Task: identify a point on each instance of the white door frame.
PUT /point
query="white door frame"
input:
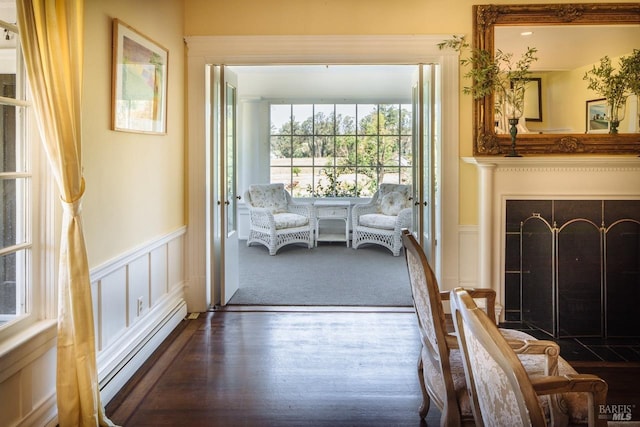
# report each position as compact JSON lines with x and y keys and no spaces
{"x":272,"y":50}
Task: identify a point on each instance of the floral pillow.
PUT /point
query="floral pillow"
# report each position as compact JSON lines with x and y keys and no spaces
{"x":270,"y":196}
{"x":392,"y":203}
{"x":386,"y":188}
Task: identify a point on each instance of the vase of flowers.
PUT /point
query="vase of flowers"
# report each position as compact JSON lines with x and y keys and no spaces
{"x":500,"y":75}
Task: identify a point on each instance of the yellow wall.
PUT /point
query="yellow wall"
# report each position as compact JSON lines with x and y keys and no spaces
{"x":350,"y":17}
{"x":134,"y":182}
{"x":346,"y":17}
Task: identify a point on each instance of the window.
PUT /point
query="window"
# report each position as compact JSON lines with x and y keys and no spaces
{"x":16,"y":185}
{"x":340,"y":150}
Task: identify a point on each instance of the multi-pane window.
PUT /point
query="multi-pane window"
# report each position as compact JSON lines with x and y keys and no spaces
{"x":340,"y":150}
{"x":15,"y":184}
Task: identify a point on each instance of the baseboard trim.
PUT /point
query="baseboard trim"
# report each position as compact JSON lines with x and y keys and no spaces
{"x":119,"y":366}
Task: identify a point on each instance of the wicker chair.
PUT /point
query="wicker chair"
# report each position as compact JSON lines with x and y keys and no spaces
{"x":275,"y":219}
{"x":380,"y":222}
{"x":440,"y":369}
{"x":500,"y":390}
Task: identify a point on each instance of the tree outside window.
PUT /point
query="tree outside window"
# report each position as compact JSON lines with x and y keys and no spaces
{"x":340,"y":150}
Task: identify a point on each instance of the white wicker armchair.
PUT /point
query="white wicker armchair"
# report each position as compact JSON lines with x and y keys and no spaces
{"x":381,"y":221}
{"x":275,"y":219}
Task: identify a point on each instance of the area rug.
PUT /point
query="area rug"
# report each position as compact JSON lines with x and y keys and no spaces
{"x":327,"y":275}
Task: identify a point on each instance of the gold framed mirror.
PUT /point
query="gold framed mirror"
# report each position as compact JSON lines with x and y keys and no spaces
{"x":544,"y":138}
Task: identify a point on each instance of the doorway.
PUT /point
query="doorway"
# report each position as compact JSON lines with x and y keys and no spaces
{"x":304,"y":50}
{"x":337,"y":132}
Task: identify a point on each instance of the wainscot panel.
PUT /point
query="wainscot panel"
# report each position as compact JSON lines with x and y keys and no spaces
{"x":140,"y":300}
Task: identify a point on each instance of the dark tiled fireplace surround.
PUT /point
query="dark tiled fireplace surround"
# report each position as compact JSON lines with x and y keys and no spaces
{"x":559,"y":241}
{"x":572,"y":273}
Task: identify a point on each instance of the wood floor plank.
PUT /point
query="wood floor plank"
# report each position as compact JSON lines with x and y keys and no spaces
{"x":288,"y":369}
{"x":297,"y":368}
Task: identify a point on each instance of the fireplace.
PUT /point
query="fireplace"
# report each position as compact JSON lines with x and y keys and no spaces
{"x":572,"y":267}
{"x":576,"y":276}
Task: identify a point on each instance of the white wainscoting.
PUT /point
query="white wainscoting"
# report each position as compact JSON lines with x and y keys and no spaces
{"x":138,"y":300}
{"x":27,"y":377}
{"x":125,"y":336}
{"x":468,"y":247}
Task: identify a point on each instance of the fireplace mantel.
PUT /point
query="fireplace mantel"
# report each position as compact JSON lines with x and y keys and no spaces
{"x":573,"y":161}
{"x":540,"y":177}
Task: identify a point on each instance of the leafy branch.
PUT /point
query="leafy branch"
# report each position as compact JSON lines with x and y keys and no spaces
{"x":630,"y":66}
{"x":491,"y":74}
{"x":606,"y":81}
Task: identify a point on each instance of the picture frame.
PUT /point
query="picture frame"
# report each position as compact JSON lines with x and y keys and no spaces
{"x":139,"y":82}
{"x":596,"y":116}
{"x":532,"y":98}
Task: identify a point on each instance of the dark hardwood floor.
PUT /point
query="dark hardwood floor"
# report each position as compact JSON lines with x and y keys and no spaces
{"x":297,"y":367}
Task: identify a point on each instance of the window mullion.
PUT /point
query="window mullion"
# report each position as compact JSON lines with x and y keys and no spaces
{"x":15,"y":248}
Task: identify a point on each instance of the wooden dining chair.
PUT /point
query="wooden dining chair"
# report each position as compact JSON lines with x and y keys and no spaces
{"x":440,"y":369}
{"x":501,"y":392}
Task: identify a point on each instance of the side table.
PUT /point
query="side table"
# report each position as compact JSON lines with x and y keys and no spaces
{"x":332,"y":211}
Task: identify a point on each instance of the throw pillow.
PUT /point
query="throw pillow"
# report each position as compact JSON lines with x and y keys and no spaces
{"x":270,"y":196}
{"x":392,"y":203}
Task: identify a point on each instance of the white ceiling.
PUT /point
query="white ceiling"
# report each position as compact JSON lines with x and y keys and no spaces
{"x":335,"y":83}
{"x":567,"y":47}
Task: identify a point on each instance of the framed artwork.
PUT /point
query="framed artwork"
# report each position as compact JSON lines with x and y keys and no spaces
{"x":596,"y":116}
{"x":139,"y":82}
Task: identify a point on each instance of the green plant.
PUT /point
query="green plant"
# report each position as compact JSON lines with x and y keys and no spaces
{"x":498,"y":74}
{"x":630,"y":66}
{"x":335,"y":188}
{"x":611,"y":84}
{"x":607,"y":81}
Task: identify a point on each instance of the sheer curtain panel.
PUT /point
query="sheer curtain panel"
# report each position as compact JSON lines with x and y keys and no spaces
{"x":51,"y":34}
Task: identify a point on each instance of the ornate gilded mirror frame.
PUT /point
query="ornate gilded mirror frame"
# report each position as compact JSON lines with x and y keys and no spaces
{"x":486,"y":17}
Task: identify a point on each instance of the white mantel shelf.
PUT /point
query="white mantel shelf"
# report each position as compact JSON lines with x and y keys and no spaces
{"x":572,"y":161}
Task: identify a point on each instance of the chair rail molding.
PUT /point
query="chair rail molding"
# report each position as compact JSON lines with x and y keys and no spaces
{"x":540,"y":177}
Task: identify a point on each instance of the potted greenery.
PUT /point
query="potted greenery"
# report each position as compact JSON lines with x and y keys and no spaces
{"x":499,"y":75}
{"x":613,"y":85}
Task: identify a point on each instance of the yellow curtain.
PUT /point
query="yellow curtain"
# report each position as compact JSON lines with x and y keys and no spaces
{"x":51,"y":34}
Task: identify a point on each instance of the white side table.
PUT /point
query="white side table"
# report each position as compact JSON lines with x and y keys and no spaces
{"x":332,"y":211}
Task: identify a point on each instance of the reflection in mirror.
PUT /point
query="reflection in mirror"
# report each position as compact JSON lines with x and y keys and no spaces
{"x":565,"y":54}
{"x":533,"y":100}
{"x":570,"y":40}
